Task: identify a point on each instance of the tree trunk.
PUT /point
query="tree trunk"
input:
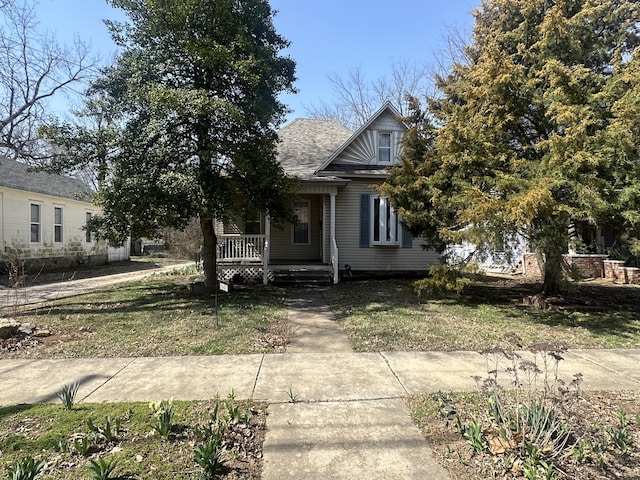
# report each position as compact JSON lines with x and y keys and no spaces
{"x":208,"y":249}
{"x":552,"y":274}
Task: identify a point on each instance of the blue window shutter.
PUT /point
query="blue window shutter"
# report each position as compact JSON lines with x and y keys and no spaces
{"x":364,"y":220}
{"x":407,"y":238}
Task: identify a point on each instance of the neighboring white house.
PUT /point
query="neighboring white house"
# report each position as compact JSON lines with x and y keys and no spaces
{"x":507,"y":257}
{"x":344,"y":226}
{"x":42,"y":218}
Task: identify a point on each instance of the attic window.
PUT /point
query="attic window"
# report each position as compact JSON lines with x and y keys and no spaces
{"x":384,"y":147}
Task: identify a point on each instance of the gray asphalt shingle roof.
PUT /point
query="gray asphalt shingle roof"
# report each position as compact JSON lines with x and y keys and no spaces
{"x":306,"y":143}
{"x":15,"y":175}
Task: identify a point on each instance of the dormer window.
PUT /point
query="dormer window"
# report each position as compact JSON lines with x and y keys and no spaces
{"x":384,"y":147}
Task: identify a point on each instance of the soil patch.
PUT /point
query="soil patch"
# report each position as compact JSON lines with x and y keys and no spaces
{"x":603,"y":439}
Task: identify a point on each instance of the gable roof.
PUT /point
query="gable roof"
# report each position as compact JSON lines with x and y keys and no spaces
{"x":17,"y":176}
{"x":387,"y":106}
{"x":306,"y":143}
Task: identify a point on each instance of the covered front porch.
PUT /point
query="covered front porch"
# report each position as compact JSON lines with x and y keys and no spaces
{"x":306,"y":249}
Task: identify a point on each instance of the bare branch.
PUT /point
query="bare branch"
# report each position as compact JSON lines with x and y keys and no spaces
{"x":357,"y":98}
{"x":34,"y":67}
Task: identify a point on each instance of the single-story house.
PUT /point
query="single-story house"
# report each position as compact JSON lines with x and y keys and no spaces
{"x":42,"y":217}
{"x":344,"y":226}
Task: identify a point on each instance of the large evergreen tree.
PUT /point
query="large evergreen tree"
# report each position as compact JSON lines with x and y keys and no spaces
{"x":534,"y":131}
{"x":196,"y":92}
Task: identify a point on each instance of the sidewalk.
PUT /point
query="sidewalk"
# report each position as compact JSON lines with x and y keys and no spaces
{"x":348,"y":421}
{"x":312,"y":377}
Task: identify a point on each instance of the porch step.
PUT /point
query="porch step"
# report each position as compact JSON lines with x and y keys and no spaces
{"x":300,"y":275}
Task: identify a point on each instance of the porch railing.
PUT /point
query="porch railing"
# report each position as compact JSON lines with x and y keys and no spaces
{"x":237,"y":248}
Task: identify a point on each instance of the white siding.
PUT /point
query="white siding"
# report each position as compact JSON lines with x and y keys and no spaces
{"x":14,"y":233}
{"x":373,"y":258}
{"x":120,"y":254}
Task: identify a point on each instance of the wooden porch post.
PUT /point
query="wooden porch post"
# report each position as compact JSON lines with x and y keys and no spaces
{"x":267,"y":248}
{"x":336,"y":263}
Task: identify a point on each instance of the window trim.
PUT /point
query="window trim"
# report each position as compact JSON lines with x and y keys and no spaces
{"x":293,"y":226}
{"x":378,"y":229}
{"x":33,"y":203}
{"x":389,"y":148}
{"x":60,"y":225}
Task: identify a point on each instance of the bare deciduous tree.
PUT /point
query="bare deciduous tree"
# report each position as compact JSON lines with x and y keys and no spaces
{"x":357,"y":98}
{"x":33,"y":68}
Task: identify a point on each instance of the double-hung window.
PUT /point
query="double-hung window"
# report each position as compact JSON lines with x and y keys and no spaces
{"x":87,"y":232}
{"x":384,"y":222}
{"x":35,"y":223}
{"x":252,"y":224}
{"x":384,"y":147}
{"x":57,"y":225}
{"x":301,"y":227}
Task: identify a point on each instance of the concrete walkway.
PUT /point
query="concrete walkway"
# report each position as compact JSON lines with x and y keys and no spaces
{"x":333,"y":413}
{"x":314,"y":327}
{"x":11,"y":299}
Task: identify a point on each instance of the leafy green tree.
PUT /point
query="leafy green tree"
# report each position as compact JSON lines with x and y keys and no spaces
{"x":86,"y":147}
{"x":195,"y":89}
{"x":535,"y":130}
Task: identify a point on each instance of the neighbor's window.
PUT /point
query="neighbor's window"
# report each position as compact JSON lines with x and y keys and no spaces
{"x":384,"y":147}
{"x":35,"y":223}
{"x":384,"y":222}
{"x":87,"y":233}
{"x":301,"y":228}
{"x":57,"y":224}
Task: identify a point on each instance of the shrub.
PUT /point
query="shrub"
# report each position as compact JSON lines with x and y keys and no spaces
{"x":444,"y":279}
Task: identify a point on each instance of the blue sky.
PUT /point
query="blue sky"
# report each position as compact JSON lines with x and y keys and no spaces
{"x":328,"y":37}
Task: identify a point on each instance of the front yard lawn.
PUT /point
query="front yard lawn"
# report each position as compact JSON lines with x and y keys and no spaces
{"x":385,"y":315}
{"x":154,"y":317}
